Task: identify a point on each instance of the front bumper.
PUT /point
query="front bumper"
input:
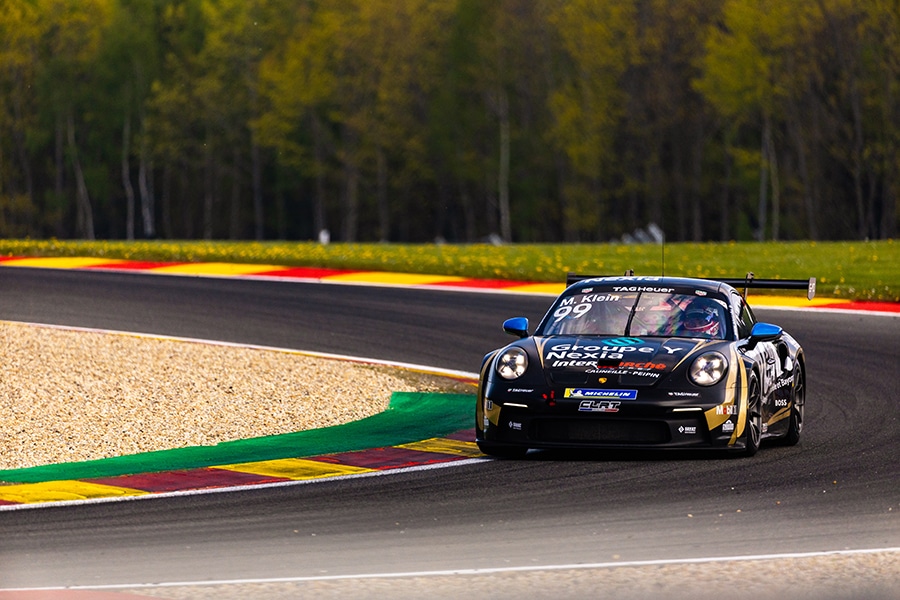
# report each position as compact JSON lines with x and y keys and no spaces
{"x":579,"y":423}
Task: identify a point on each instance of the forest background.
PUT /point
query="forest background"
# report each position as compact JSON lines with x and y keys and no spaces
{"x":527,"y":121}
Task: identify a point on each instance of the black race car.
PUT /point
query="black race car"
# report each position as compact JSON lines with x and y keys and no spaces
{"x":644,"y":363}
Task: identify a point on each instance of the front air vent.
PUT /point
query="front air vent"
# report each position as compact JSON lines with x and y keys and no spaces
{"x":599,"y":431}
{"x":568,"y":378}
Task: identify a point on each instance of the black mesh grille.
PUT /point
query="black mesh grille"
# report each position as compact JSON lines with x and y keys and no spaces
{"x":599,"y":431}
{"x":568,"y":377}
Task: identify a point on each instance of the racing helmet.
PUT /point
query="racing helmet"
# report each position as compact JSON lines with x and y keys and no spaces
{"x":702,"y":318}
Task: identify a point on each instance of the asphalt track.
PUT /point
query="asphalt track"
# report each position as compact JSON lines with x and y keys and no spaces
{"x":837,"y":491}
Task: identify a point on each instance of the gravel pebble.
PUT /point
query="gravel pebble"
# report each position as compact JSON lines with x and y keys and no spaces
{"x":73,"y":395}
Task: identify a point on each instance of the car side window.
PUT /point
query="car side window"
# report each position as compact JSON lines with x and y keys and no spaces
{"x":745,"y":318}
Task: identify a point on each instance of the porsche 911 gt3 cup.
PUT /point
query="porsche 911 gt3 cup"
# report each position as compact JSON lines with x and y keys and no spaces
{"x":645,"y":363}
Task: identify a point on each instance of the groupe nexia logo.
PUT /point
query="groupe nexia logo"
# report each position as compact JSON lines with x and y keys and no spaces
{"x":623,"y":341}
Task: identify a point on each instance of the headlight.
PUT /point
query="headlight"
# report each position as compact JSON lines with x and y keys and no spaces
{"x":512,"y":363}
{"x":708,"y":369}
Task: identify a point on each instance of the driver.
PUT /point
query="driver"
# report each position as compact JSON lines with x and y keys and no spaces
{"x":703,"y":319}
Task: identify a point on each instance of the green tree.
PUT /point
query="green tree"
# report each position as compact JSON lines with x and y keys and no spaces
{"x":587,"y":104}
{"x":71,"y":48}
{"x":21,"y":29}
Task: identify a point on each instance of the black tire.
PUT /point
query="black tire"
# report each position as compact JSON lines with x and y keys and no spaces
{"x":502,"y":450}
{"x":798,"y":401}
{"x":753,"y":428}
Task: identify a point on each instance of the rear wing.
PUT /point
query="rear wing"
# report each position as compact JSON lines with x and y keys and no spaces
{"x":774,"y":284}
{"x":746,"y":283}
{"x":576,"y":277}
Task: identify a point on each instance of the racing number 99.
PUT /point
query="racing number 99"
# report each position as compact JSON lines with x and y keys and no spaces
{"x":577,"y":311}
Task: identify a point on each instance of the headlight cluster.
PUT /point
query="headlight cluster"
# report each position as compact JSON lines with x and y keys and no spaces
{"x":708,"y":369}
{"x":512,"y":363}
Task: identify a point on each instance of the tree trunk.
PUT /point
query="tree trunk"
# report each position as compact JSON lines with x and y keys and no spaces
{"x":320,"y":223}
{"x":234,"y":215}
{"x":208,"y":195}
{"x":22,"y":147}
{"x":384,"y":209}
{"x":698,"y":222}
{"x":772,"y":160}
{"x":145,"y":186}
{"x":256,"y":176}
{"x":59,"y":181}
{"x":762,"y":208}
{"x":678,"y":176}
{"x":503,"y":171}
{"x":84,"y":218}
{"x":796,"y":132}
{"x":724,"y":194}
{"x":126,"y":179}
{"x":350,"y":193}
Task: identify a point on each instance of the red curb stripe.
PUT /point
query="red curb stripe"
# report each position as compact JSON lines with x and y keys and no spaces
{"x":194,"y":479}
{"x":483,"y":283}
{"x":865,"y":305}
{"x":382,"y":459}
{"x":466,"y":435}
{"x":133,"y":265}
{"x":303,"y":273}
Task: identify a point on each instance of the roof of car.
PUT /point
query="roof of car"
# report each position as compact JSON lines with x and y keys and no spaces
{"x":650,"y":283}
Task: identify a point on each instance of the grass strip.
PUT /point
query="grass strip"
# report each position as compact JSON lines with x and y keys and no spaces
{"x":410,"y":417}
{"x":848,"y":270}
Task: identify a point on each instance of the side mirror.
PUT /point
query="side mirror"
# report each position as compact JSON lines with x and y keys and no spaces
{"x":763,"y":332}
{"x":517,"y":326}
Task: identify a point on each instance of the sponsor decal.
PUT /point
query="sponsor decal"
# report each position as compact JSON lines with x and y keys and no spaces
{"x":489,"y":405}
{"x":520,"y":390}
{"x":605,"y":406}
{"x":573,"y":363}
{"x":587,"y":355}
{"x":728,"y":426}
{"x":592,"y":393}
{"x":726,"y":409}
{"x":784,"y":381}
{"x":568,"y":307}
{"x":685,"y":394}
{"x":781,"y":402}
{"x":641,"y":288}
{"x":642,"y":366}
{"x":616,"y":371}
{"x":626,"y":278}
{"x":672,"y":350}
{"x":688,"y":429}
{"x":515,"y":426}
{"x":623,"y":341}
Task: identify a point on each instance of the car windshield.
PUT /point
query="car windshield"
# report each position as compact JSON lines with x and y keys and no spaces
{"x":592,"y":312}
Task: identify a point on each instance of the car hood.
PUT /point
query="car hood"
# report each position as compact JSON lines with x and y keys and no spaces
{"x":624,"y":360}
